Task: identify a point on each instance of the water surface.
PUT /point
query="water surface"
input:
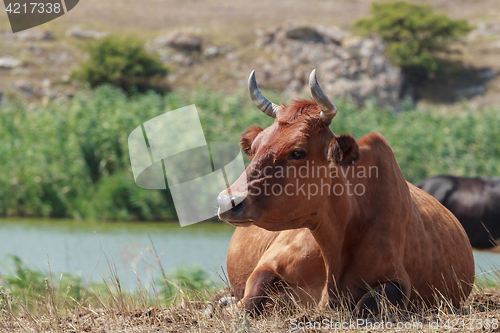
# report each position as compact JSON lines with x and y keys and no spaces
{"x":92,"y":249}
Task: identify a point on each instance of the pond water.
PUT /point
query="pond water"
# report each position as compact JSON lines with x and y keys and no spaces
{"x":93,"y":250}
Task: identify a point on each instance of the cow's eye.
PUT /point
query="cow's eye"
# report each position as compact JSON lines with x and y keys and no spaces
{"x":297,"y":155}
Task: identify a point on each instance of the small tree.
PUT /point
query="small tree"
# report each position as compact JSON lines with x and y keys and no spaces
{"x":414,"y":35}
{"x":120,"y":61}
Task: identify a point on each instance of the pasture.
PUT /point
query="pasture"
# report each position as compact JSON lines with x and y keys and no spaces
{"x":84,"y":249}
{"x":36,"y":300}
{"x":426,"y":142}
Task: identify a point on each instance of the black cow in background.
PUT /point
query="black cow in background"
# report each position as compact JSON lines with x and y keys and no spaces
{"x":474,"y":201}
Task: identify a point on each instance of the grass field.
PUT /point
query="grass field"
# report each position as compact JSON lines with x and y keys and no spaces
{"x":219,"y":23}
{"x":71,"y":160}
{"x":32,"y":301}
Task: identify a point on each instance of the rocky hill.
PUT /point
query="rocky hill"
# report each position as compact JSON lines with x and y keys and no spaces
{"x":206,"y":50}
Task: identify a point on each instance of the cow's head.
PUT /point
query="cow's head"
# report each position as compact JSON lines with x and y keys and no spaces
{"x":286,"y":183}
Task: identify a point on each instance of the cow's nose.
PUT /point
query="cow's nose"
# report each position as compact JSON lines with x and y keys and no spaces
{"x":233,"y":203}
{"x":238,"y":205}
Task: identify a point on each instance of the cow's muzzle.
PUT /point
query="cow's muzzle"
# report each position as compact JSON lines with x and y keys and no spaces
{"x":230,"y":206}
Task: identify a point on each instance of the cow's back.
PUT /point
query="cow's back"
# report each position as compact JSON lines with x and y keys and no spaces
{"x":437,"y":247}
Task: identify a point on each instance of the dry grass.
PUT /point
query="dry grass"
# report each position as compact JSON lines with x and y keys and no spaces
{"x":110,"y":309}
{"x":118,"y":312}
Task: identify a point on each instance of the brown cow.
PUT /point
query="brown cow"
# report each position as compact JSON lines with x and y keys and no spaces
{"x":374,"y":233}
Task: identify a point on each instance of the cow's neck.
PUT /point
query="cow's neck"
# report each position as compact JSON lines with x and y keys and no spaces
{"x":344,"y":215}
{"x":330,"y":233}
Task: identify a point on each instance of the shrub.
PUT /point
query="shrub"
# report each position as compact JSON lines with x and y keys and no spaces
{"x":119,"y":198}
{"x":415,"y":36}
{"x":122,"y":62}
{"x":72,"y":159}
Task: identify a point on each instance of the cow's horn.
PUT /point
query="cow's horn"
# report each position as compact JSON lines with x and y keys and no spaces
{"x":328,"y":109}
{"x":259,"y":100}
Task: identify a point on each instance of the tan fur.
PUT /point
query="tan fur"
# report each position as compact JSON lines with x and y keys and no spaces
{"x":335,"y":248}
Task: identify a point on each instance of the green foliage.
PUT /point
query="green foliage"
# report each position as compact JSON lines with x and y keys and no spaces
{"x":191,"y":282}
{"x":118,"y":198}
{"x":120,"y":61}
{"x":22,"y":287}
{"x":71,"y":160}
{"x":429,"y":142}
{"x":415,"y":36}
{"x":24,"y":284}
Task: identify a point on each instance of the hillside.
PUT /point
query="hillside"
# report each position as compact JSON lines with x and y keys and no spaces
{"x":234,"y":25}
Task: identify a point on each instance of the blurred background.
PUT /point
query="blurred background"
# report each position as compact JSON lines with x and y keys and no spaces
{"x":422,"y":73}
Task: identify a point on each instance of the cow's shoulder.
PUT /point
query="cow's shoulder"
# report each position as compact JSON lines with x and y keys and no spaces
{"x":374,"y":141}
{"x":375,"y":150}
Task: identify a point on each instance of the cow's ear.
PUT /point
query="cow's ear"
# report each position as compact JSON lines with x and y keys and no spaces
{"x":344,"y":150}
{"x":247,"y":137}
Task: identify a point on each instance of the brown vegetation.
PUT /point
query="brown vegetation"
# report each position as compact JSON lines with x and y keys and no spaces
{"x":234,"y":23}
{"x":481,"y":312}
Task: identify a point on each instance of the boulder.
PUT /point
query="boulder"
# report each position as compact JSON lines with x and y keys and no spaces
{"x":34,"y":35}
{"x":25,"y":87}
{"x":181,"y":41}
{"x":9,"y":62}
{"x":346,"y":65}
{"x":84,"y":34}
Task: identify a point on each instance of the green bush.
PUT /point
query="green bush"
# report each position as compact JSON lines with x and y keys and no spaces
{"x":122,"y":62}
{"x":191,"y":282}
{"x":119,"y":198}
{"x":22,"y":286}
{"x":414,"y":35}
{"x":72,"y":159}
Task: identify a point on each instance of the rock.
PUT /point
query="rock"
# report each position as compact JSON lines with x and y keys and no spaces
{"x":331,"y":35}
{"x":495,"y":45}
{"x":35,"y":49}
{"x":471,"y":91}
{"x":346,"y":65}
{"x":181,"y":41}
{"x":25,"y":87}
{"x":211,"y":51}
{"x":484,"y":30}
{"x":9,"y":62}
{"x":46,"y":83}
{"x":303,"y":34}
{"x":205,"y":78}
{"x":488,"y":74}
{"x":214,"y":51}
{"x":318,"y":34}
{"x":232,"y":56}
{"x":85,"y":34}
{"x":34,"y":35}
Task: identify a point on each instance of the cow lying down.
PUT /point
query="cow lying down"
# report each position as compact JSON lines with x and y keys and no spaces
{"x":349,"y":229}
{"x":474,"y":201}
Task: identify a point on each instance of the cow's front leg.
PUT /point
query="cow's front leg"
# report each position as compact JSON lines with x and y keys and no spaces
{"x":260,"y":283}
{"x":389,"y":293}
